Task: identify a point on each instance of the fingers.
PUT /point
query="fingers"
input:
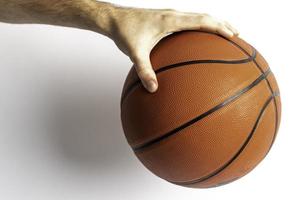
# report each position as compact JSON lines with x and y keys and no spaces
{"x":229,"y":26}
{"x":146,"y":73}
{"x":191,"y":21}
{"x":220,"y":28}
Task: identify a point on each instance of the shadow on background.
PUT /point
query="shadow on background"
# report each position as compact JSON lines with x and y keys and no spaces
{"x":86,"y":124}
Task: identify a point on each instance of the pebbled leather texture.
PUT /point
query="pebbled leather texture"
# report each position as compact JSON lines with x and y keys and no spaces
{"x":226,"y":143}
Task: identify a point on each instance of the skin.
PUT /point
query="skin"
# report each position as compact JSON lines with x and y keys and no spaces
{"x":134,"y":30}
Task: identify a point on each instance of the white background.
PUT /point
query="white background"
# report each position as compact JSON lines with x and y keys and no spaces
{"x":60,"y":130}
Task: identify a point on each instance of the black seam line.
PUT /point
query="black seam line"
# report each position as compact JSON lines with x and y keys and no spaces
{"x":238,"y":152}
{"x":275,"y":132}
{"x":168,"y":67}
{"x":201,"y":116}
{"x":275,"y":103}
{"x":273,"y":138}
{"x":276,"y":125}
{"x":268,"y":83}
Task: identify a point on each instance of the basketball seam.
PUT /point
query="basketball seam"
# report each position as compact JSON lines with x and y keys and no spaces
{"x":250,"y":58}
{"x":274,"y":94}
{"x":203,"y":115}
{"x":272,"y":142}
{"x":269,"y":86}
{"x":239,"y":152}
{"x":259,"y":68}
{"x":185,"y":64}
{"x":273,"y":97}
{"x":233,"y":179}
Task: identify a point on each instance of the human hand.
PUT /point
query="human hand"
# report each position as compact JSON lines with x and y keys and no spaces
{"x":136,"y":31}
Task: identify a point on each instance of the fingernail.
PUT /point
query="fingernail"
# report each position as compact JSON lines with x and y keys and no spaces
{"x":151,"y":86}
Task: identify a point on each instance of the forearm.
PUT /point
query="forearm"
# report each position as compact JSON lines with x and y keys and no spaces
{"x":83,"y":14}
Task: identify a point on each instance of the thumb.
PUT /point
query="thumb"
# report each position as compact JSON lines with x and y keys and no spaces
{"x":146,"y":73}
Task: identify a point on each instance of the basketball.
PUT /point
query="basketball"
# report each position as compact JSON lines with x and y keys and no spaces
{"x":214,"y":117}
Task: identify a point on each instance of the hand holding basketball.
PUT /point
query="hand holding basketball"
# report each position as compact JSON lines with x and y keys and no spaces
{"x":215,"y":116}
{"x":136,"y":31}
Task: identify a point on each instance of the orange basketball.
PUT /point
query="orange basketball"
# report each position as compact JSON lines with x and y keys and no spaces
{"x":214,"y":117}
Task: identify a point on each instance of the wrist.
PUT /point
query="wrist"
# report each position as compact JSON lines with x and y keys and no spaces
{"x":92,"y":15}
{"x":103,"y":16}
